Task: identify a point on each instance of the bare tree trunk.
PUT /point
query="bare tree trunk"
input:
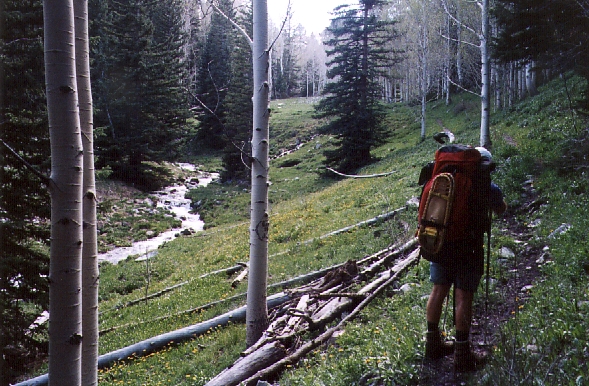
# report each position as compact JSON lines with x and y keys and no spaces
{"x":512,"y":84}
{"x":424,"y":61}
{"x":485,"y":139}
{"x":65,"y":309}
{"x":531,"y":79}
{"x":522,"y":81}
{"x":459,"y":71}
{"x":89,"y":249}
{"x":257,"y":311}
{"x":448,"y":64}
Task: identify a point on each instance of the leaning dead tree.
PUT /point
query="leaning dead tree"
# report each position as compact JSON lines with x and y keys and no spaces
{"x":349,"y":288}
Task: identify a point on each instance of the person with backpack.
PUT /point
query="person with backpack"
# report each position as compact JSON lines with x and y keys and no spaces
{"x":454,"y":214}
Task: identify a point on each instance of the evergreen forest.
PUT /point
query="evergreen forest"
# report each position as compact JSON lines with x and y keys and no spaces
{"x":172,"y":85}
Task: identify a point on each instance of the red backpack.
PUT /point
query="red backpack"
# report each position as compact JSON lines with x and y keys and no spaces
{"x":454,"y":203}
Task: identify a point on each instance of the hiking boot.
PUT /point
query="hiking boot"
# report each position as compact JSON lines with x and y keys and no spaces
{"x":436,"y":346}
{"x":465,"y":360}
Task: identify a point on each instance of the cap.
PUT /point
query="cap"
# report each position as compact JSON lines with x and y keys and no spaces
{"x":485,"y":154}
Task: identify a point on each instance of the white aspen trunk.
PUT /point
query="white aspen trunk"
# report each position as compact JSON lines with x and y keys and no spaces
{"x":89,"y":249}
{"x":498,"y":86}
{"x":65,"y":308}
{"x":313,"y":73}
{"x":448,"y":64}
{"x":459,"y":72}
{"x":424,"y":60}
{"x":485,"y":139}
{"x":257,"y":311}
{"x":522,"y":82}
{"x":531,"y":79}
{"x":307,"y":78}
{"x":512,"y":84}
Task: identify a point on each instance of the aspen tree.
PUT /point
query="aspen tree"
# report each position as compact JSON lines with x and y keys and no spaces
{"x":89,"y":249}
{"x":65,"y":308}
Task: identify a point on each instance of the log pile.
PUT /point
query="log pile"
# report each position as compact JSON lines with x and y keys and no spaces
{"x":343,"y":291}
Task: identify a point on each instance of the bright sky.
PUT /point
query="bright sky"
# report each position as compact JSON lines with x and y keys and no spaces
{"x":314,"y":15}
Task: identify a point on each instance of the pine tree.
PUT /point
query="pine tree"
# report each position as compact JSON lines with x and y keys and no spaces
{"x":24,"y":200}
{"x":358,"y":57}
{"x":193,"y":45}
{"x":141,"y":103}
{"x":239,"y":106}
{"x":214,"y":78}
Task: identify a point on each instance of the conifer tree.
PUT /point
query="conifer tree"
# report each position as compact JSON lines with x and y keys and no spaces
{"x":214,"y":77}
{"x":141,"y":104}
{"x":238,"y":122}
{"x":193,"y":45}
{"x":24,"y":200}
{"x":358,"y":56}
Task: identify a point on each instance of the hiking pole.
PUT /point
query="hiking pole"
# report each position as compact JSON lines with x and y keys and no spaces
{"x":490,"y":217}
{"x":446,"y":311}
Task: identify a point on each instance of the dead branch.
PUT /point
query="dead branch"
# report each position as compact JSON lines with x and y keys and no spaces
{"x":237,"y":26}
{"x":150,"y":296}
{"x":240,"y":278}
{"x":228,"y":271}
{"x":361,"y":176}
{"x":46,"y":180}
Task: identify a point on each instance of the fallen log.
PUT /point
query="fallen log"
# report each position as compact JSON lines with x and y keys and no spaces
{"x":228,"y":271}
{"x":259,"y":360}
{"x":291,"y":359}
{"x":159,"y":342}
{"x":302,"y":317}
{"x":384,"y":259}
{"x":242,"y":275}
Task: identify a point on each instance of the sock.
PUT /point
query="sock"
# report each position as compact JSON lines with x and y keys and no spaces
{"x":432,"y":327}
{"x":461,"y":336}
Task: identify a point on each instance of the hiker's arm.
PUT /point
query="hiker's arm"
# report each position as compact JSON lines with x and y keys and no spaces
{"x":498,"y":203}
{"x":501,"y":208}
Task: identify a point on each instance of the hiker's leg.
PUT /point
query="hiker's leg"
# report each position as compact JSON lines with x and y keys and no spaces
{"x":435,"y":303}
{"x":436,"y":346}
{"x":464,"y":358}
{"x":442,"y":279}
{"x":463,"y":309}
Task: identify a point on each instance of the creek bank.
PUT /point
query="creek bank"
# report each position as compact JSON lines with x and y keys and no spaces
{"x":173,"y":199}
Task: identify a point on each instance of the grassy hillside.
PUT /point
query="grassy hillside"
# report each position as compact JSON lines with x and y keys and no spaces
{"x":540,"y":146}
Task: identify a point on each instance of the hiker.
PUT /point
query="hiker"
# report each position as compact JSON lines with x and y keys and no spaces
{"x":464,"y":272}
